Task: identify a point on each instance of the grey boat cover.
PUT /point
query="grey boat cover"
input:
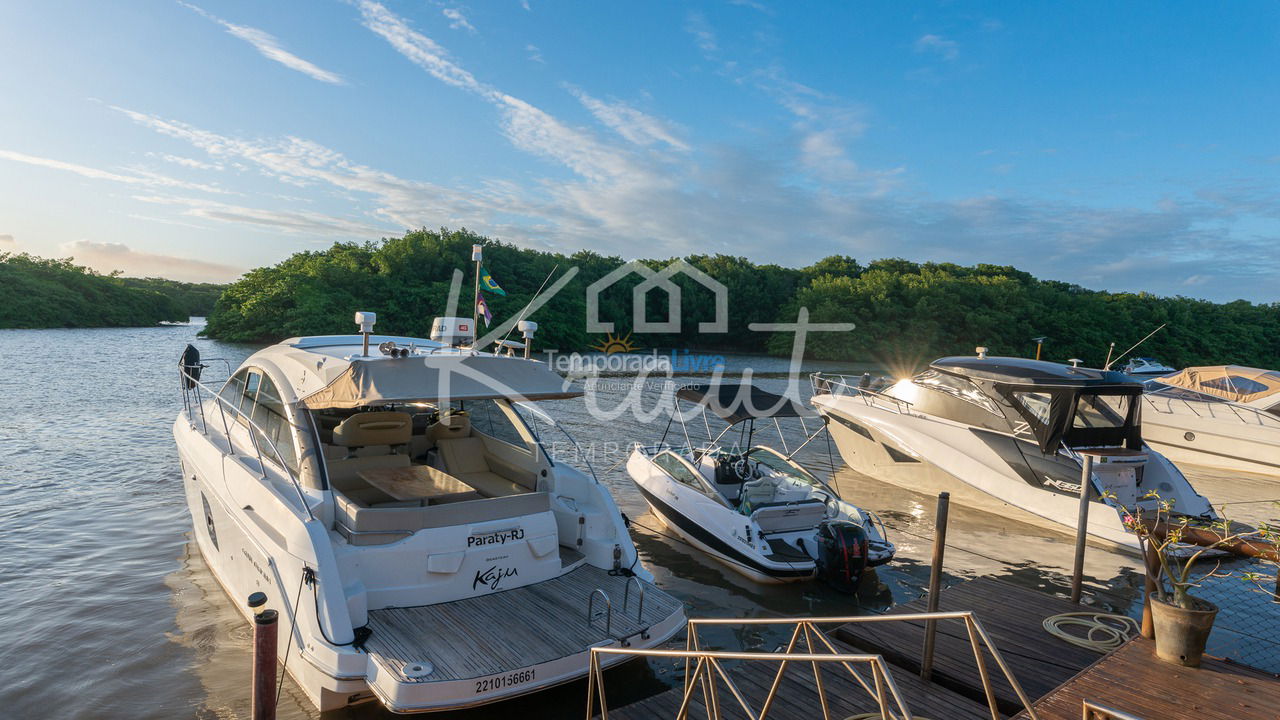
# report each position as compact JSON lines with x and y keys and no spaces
{"x":735,"y":403}
{"x":377,"y":381}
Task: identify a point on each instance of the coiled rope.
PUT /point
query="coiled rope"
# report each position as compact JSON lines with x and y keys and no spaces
{"x":1104,"y":632}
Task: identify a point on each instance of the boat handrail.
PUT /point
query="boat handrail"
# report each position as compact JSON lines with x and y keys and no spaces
{"x":191,"y":388}
{"x":839,"y":384}
{"x":1251,"y":416}
{"x":707,"y":672}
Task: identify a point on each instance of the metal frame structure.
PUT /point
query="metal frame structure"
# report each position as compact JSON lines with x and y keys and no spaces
{"x":1094,"y":711}
{"x":837,"y":384}
{"x":707,"y":668}
{"x":191,"y":397}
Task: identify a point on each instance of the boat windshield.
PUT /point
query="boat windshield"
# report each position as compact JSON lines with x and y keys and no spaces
{"x":770,"y":458}
{"x":555,"y":440}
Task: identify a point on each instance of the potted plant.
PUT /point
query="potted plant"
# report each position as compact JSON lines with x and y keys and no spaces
{"x":1182,"y":621}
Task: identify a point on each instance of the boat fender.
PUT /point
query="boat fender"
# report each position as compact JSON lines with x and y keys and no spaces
{"x":842,"y":554}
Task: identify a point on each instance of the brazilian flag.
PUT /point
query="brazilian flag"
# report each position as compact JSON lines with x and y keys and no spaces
{"x":487,"y":283}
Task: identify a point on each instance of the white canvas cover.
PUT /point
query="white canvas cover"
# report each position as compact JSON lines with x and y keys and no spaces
{"x":1232,"y":382}
{"x":381,"y":381}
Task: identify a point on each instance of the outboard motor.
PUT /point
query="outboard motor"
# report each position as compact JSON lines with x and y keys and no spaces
{"x":842,"y":554}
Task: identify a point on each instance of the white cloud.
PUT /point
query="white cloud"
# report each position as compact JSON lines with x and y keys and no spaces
{"x":266,"y":44}
{"x":696,"y":25}
{"x":185,"y":161}
{"x":534,"y":53}
{"x":290,"y":221}
{"x":458,"y":21}
{"x":637,"y":194}
{"x":946,"y":49}
{"x":7,"y":242}
{"x":630,"y":123}
{"x":138,"y":176}
{"x":108,"y":257}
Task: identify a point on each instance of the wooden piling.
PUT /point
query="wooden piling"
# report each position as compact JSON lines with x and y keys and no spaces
{"x":265,"y":634}
{"x":935,"y":582}
{"x":1082,"y":526}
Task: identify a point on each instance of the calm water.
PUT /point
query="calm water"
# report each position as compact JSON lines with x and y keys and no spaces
{"x":109,"y":611}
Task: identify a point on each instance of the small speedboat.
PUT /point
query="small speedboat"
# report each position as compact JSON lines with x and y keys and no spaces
{"x":1225,"y":417}
{"x":1009,"y":435}
{"x":750,"y":506}
{"x":1147,"y":367}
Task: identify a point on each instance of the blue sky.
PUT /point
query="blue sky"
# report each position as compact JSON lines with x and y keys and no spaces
{"x":1122,"y":146}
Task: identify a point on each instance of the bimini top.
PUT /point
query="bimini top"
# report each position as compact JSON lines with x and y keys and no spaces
{"x":1024,"y":371}
{"x":1231,"y":382}
{"x":735,"y":403}
{"x":331,"y":372}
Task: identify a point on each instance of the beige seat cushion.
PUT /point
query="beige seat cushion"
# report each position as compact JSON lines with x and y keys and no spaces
{"x":374,"y":428}
{"x":491,"y":484}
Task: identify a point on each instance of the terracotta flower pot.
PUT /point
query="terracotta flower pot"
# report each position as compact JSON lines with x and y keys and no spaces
{"x":1181,"y":634}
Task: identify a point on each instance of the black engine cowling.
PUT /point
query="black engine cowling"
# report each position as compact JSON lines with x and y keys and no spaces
{"x":842,"y":554}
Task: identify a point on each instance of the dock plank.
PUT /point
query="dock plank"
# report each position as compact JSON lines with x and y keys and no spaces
{"x":1133,"y":680}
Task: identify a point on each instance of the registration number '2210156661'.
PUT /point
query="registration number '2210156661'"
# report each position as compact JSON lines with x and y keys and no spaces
{"x":497,"y":682}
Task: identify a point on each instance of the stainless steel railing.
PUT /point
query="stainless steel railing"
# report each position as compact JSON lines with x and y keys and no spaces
{"x":707,"y":672}
{"x":837,"y":384}
{"x":1094,"y":711}
{"x":192,"y":397}
{"x":1246,"y":415}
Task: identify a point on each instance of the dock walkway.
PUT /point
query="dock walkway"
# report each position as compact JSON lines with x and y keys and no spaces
{"x":1011,"y":615}
{"x":1133,"y":680}
{"x":1056,"y":675}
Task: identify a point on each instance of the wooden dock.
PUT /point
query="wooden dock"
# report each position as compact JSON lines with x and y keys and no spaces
{"x":1132,"y":680}
{"x":1056,"y":675}
{"x":1012,"y":615}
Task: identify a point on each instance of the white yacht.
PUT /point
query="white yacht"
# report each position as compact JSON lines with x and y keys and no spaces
{"x":1147,"y":367}
{"x":751,"y":507}
{"x":1225,"y":417}
{"x":403,"y":513}
{"x":1005,"y":434}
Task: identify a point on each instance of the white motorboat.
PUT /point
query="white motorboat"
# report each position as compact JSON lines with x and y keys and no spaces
{"x":1225,"y":417}
{"x":1006,"y":435}
{"x":403,"y":513}
{"x":750,"y":506}
{"x":1147,"y":367}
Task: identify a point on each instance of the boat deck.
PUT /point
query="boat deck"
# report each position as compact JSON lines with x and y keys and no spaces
{"x":504,"y":631}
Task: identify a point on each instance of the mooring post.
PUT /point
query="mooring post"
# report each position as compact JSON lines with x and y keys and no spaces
{"x":265,"y":630}
{"x":935,"y":583}
{"x":1082,"y":526}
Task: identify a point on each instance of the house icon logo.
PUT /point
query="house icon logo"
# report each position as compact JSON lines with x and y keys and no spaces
{"x":659,"y":280}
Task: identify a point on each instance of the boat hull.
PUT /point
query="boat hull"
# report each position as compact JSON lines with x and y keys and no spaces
{"x":909,"y":450}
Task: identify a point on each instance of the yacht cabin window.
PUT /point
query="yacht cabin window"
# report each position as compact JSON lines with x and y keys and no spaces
{"x":257,"y":400}
{"x":1036,"y":403}
{"x":495,"y":419}
{"x":958,"y":388}
{"x":1093,"y":411}
{"x":1236,"y":384}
